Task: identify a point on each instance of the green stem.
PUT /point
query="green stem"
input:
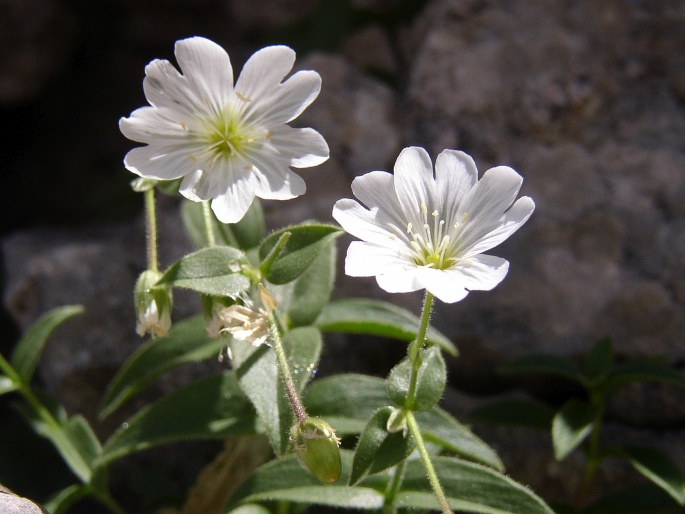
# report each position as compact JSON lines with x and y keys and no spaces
{"x":208,"y":219}
{"x":415,"y":347}
{"x":391,"y":492}
{"x":290,"y":389}
{"x":593,"y":457}
{"x":151,"y":218}
{"x":427,"y":462}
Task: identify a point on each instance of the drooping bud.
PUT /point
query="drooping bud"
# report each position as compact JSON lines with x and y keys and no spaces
{"x":153,"y":305}
{"x":316,"y":447}
{"x":397,"y":422}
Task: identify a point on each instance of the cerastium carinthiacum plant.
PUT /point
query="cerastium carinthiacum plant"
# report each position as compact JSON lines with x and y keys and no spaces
{"x":346,"y":441}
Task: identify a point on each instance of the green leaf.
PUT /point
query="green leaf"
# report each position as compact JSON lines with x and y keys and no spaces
{"x":571,"y":425}
{"x":310,"y":292}
{"x":470,"y":488}
{"x":599,"y":361}
{"x":546,"y":364}
{"x":439,"y":427}
{"x":286,"y":480}
{"x":213,"y":407}
{"x":250,"y":509}
{"x":303,"y":246}
{"x":635,"y":499}
{"x":245,"y":234}
{"x":430,"y":382}
{"x":61,"y":502}
{"x":375,"y":317}
{"x":258,"y":377}
{"x":187,"y":342}
{"x":515,"y":413}
{"x":645,"y":371}
{"x":83,"y":438}
{"x":28,"y":349}
{"x":346,"y":401}
{"x":60,"y":434}
{"x":377,"y":449}
{"x":658,"y":468}
{"x":214,"y":271}
{"x":7,"y":385}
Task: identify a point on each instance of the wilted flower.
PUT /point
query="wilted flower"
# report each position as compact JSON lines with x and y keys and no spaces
{"x":229,"y":142}
{"x":245,"y":324}
{"x":421,"y":231}
{"x":153,"y":305}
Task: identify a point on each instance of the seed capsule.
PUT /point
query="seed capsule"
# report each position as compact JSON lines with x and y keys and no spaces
{"x":316,"y":447}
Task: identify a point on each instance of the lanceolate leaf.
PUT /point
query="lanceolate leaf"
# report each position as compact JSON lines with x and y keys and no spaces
{"x":438,"y":427}
{"x":346,"y":401}
{"x":286,"y":480}
{"x":546,"y":364}
{"x":211,"y":408}
{"x":571,"y":425}
{"x":469,"y":488}
{"x":304,"y":244}
{"x":187,"y":342}
{"x":28,"y":350}
{"x":259,"y":379}
{"x":514,"y":412}
{"x":430,"y":382}
{"x":599,"y":361}
{"x":659,"y":468}
{"x":645,"y":371}
{"x":634,"y":499}
{"x":214,"y":271}
{"x":378,"y":449}
{"x":375,"y":317}
{"x":63,"y":500}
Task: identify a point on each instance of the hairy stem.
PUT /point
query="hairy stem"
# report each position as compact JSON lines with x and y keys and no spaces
{"x":391,"y":492}
{"x":415,"y":348}
{"x":427,"y":462}
{"x":209,"y":225}
{"x":290,"y":389}
{"x":151,"y":231}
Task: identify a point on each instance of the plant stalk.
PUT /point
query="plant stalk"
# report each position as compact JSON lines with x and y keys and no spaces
{"x":416,"y":346}
{"x":151,"y":225}
{"x":208,"y":219}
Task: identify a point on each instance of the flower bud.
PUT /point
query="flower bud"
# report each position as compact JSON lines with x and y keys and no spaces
{"x":397,"y":422}
{"x":153,"y":305}
{"x":316,"y":447}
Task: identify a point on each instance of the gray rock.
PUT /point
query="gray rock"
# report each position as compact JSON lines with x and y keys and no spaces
{"x":10,"y":503}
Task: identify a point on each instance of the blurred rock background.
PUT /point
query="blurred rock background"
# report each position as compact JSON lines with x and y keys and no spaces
{"x":585,"y":99}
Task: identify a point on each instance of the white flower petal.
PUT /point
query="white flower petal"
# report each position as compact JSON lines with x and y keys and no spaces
{"x":273,"y":178}
{"x":288,"y":101}
{"x":165,"y":87}
{"x":207,"y":69}
{"x":231,"y":206}
{"x":414,"y":183}
{"x":367,"y":260}
{"x":162,"y":163}
{"x":305,"y":147}
{"x":399,"y":281}
{"x":481,"y":272}
{"x":264,"y":71}
{"x":508,"y":224}
{"x":455,"y":175}
{"x":364,"y":224}
{"x":187,"y":187}
{"x":447,"y":287}
{"x":149,"y":124}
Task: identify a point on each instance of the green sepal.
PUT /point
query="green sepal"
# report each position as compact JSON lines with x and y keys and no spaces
{"x":376,"y":317}
{"x":571,"y":425}
{"x":216,"y":271}
{"x":302,"y":247}
{"x":378,"y":449}
{"x":430,"y":382}
{"x":316,"y":446}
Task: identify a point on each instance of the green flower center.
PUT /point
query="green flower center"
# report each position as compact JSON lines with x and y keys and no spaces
{"x":226,"y":135}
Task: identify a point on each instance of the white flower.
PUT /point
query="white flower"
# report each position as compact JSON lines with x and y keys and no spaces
{"x":229,"y":143}
{"x":429,"y":232}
